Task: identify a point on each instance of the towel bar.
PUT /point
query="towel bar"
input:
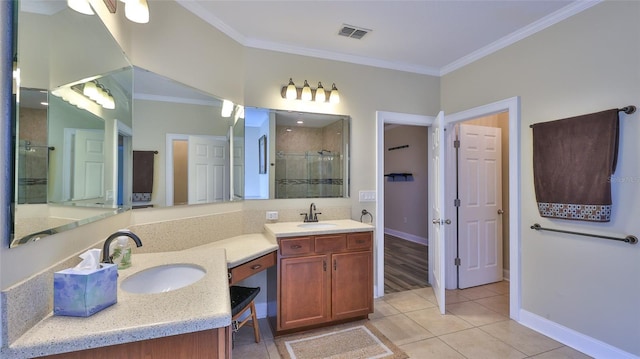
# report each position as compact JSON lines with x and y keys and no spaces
{"x":627,"y":109}
{"x":628,"y":239}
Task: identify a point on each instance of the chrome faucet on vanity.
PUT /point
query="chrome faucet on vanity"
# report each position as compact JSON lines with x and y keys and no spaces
{"x":311,"y":216}
{"x":106,"y":258}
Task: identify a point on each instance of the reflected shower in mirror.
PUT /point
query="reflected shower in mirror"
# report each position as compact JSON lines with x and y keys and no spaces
{"x":307,"y":154}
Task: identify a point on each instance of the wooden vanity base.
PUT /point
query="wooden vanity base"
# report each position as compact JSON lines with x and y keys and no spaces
{"x":209,"y":344}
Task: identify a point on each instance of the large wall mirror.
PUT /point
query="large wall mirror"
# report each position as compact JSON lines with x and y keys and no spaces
{"x":194,"y":139}
{"x":292,"y":154}
{"x":73,"y":121}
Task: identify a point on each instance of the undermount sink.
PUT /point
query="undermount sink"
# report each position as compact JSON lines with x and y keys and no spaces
{"x":163,"y":278}
{"x":316,"y":225}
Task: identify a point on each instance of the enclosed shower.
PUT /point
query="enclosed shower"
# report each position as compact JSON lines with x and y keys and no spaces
{"x":32,"y":168}
{"x":311,"y":174}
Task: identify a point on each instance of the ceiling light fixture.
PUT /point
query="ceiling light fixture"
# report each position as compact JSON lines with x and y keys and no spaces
{"x":306,"y":93}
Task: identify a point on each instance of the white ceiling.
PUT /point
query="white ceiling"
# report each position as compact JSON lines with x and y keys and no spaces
{"x":430,"y":37}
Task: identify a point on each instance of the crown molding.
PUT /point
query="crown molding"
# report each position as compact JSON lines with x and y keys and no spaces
{"x":552,"y":19}
{"x":545,"y":22}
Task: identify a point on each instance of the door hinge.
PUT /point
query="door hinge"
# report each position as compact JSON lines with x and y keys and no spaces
{"x":456,"y":202}
{"x":457,"y":261}
{"x":456,"y":144}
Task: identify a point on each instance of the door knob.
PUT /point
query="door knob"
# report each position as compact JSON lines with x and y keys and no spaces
{"x":440,"y":221}
{"x":435,"y":221}
{"x":447,"y":221}
{"x":500,"y":211}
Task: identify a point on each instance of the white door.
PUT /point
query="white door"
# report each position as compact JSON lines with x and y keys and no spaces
{"x":88,"y":164}
{"x":437,"y":230}
{"x":479,"y":213}
{"x":207,"y":167}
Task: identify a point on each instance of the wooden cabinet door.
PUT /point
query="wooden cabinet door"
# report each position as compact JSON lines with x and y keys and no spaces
{"x":304,"y":291}
{"x":352,"y":284}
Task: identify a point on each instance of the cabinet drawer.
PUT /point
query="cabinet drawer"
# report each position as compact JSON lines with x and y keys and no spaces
{"x":296,"y":246}
{"x":330,"y":243}
{"x":252,"y":267}
{"x":359,"y":240}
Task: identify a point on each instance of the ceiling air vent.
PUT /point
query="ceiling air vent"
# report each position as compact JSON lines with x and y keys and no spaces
{"x":354,"y":32}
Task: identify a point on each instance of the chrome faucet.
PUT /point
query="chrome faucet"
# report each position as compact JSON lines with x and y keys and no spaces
{"x":106,"y":258}
{"x":311,"y":216}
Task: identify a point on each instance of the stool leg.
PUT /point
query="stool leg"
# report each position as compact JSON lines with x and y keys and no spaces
{"x":254,"y":319}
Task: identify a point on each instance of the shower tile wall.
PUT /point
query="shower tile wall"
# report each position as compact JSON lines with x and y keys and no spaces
{"x":33,"y":158}
{"x":302,"y":171}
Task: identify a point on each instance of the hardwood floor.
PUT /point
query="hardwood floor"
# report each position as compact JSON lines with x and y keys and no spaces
{"x":405,"y":265}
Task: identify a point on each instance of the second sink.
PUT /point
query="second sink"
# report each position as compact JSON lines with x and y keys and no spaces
{"x":164,"y":278}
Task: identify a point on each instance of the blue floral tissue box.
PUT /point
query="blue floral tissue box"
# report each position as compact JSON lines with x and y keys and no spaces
{"x":81,"y":293}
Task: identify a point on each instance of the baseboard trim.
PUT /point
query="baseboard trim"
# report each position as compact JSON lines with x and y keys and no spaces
{"x":572,"y":338}
{"x":506,"y":275}
{"x":407,"y":236}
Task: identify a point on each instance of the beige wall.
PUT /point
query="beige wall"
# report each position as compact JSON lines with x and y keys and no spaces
{"x":406,"y":203}
{"x":584,"y":64}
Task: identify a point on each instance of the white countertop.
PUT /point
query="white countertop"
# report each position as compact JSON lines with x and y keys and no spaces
{"x":293,"y":229}
{"x":241,"y":249}
{"x":201,"y":306}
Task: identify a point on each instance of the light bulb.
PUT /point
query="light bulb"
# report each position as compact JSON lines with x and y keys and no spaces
{"x":306,"y":92}
{"x":321,"y":96}
{"x":90,"y":90}
{"x":334,"y":97}
{"x":292,"y":92}
{"x":137,"y":11}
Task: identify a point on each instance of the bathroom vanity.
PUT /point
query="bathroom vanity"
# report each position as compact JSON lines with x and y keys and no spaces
{"x":324,"y":274}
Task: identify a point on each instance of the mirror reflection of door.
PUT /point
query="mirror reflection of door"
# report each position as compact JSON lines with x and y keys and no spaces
{"x":200,"y":169}
{"x":83,"y":161}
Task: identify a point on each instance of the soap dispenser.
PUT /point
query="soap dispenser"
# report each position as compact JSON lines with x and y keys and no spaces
{"x":122,"y":253}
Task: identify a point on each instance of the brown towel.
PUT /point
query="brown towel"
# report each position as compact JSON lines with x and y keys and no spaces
{"x":573,"y":160}
{"x":143,"y":175}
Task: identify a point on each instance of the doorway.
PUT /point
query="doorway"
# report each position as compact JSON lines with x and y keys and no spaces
{"x":406,"y":198}
{"x":512,"y":107}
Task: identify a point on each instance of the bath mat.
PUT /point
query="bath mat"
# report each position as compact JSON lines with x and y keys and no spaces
{"x":359,"y":340}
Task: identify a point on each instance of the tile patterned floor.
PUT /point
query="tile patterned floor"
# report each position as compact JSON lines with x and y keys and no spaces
{"x":476,"y":326}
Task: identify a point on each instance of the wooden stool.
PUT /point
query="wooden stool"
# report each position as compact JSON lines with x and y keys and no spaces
{"x":242,"y":299}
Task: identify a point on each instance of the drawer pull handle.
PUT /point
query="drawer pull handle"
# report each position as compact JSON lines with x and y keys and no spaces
{"x":256,"y":266}
{"x":360,"y":241}
{"x":296,"y":246}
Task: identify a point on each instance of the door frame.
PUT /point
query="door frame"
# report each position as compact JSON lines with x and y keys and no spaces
{"x":510,"y":105}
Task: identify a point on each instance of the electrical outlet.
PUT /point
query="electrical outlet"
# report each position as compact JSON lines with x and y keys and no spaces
{"x":272,"y":215}
{"x":367,"y":196}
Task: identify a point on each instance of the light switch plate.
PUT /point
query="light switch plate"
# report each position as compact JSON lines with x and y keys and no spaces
{"x":367,"y":196}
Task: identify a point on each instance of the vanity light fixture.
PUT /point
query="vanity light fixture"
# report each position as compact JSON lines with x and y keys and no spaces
{"x":334,"y":97}
{"x":81,"y":6}
{"x":292,"y":91}
{"x":306,"y":93}
{"x":321,"y":96}
{"x":227,"y":108}
{"x":136,"y":11}
{"x":99,"y":94}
